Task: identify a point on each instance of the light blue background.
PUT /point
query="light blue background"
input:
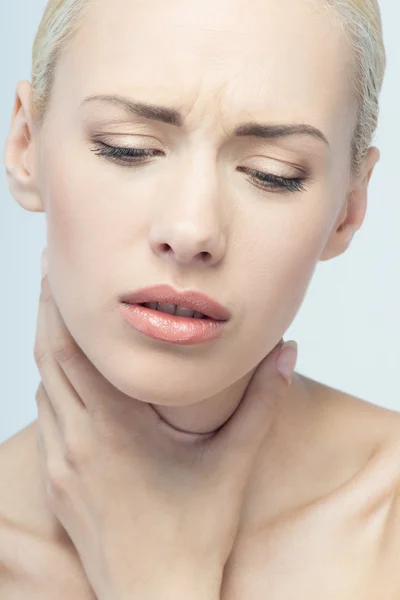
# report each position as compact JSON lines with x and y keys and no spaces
{"x":348,"y":327}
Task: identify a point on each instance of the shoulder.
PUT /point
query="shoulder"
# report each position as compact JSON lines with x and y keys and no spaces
{"x":326,"y":452}
{"x":358,"y":419}
{"x":369,"y":433}
{"x":22,"y":501}
{"x":359,"y":446}
{"x":347,"y":436}
{"x":36,"y":559}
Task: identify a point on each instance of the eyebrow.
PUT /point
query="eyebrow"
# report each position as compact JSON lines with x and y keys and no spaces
{"x":173,"y":117}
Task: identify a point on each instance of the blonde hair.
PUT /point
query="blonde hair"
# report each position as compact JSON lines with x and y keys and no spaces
{"x":360,"y":20}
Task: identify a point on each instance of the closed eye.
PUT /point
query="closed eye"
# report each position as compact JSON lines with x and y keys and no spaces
{"x":136,"y":156}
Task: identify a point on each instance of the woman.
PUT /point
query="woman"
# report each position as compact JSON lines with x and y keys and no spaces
{"x":214,"y":148}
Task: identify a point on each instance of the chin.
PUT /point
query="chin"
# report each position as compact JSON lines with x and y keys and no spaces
{"x":162,"y":378}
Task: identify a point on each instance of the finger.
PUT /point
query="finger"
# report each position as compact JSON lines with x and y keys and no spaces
{"x":57,"y":474}
{"x":240,"y":439}
{"x":49,"y":437}
{"x":67,"y":406}
{"x":54,"y":465}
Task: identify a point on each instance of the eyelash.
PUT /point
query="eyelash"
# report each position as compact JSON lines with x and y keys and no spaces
{"x":131,"y":156}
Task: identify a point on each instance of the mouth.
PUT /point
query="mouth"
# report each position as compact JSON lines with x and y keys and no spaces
{"x":171,"y":327}
{"x":186,"y":303}
{"x":174,"y":309}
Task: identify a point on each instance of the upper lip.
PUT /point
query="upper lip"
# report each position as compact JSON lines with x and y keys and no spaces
{"x":196,"y":301}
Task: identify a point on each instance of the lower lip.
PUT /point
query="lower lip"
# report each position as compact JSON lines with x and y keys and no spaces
{"x":169,"y":328}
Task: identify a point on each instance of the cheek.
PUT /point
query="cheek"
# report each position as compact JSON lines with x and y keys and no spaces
{"x":74,"y":221}
{"x":278,"y":277}
{"x":86,"y":216}
{"x":82,"y":234}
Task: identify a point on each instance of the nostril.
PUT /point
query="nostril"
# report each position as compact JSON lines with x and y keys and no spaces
{"x":205,"y":255}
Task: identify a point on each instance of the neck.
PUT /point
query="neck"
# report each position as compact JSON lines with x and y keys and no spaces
{"x":210,"y":414}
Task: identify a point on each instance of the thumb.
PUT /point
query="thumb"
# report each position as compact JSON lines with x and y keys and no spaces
{"x":241,"y":437}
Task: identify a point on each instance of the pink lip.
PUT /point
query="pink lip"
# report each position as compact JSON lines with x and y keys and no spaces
{"x":196,"y":301}
{"x":170,"y":328}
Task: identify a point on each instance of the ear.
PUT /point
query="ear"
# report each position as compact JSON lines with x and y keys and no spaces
{"x":354,"y":210}
{"x":20,"y":152}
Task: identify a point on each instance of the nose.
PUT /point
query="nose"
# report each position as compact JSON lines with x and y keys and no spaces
{"x":187,"y":243}
{"x":189,"y":230}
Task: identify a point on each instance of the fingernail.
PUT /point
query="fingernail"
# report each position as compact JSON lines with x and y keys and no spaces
{"x":287,"y":359}
{"x":44,"y":263}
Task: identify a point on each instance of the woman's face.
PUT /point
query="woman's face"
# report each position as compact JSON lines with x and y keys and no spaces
{"x":114,"y":227}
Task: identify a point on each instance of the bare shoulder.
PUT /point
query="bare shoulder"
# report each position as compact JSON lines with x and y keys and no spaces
{"x":362,"y":417}
{"x":336,"y":457}
{"x":21,"y":495}
{"x":361,"y":429}
{"x":331,"y":527}
{"x":372,"y":495}
{"x":36,"y":558}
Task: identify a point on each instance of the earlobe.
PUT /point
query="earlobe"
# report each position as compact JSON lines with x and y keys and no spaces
{"x":19,"y":154}
{"x":346,"y":226}
{"x":353,"y":212}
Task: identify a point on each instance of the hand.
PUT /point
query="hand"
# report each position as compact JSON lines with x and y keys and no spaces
{"x":147,"y":508}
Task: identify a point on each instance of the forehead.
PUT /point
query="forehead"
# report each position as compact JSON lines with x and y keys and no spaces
{"x":283,"y":58}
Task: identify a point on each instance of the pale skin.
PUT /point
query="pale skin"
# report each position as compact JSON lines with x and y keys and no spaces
{"x":124,"y":483}
{"x":113,"y":228}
